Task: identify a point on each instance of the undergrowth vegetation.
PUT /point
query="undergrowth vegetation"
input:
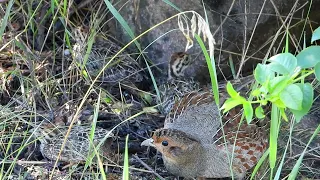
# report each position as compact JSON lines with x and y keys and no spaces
{"x":42,"y":81}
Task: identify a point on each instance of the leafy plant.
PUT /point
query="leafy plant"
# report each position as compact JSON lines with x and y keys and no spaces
{"x":281,"y":82}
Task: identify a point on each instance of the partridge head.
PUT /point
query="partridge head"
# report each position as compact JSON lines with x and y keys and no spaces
{"x":178,"y":148}
{"x":194,"y":143}
{"x":179,"y":62}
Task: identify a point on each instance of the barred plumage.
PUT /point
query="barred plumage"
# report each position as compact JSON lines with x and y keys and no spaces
{"x":194,"y":143}
{"x":122,"y":69}
{"x":77,"y":143}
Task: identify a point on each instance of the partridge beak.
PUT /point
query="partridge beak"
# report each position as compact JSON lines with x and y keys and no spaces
{"x":148,"y":142}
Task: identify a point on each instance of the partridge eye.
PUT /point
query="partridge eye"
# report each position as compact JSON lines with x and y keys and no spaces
{"x":165,"y":143}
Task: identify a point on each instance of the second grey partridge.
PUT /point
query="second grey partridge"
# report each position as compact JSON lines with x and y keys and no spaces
{"x":77,"y":146}
{"x":123,"y":69}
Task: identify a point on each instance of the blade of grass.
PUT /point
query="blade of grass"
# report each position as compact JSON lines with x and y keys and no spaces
{"x":52,"y":6}
{"x":214,"y":82}
{"x":123,"y":23}
{"x":232,"y":67}
{"x":278,"y":173}
{"x":274,"y":130}
{"x":295,"y":170}
{"x":5,"y":18}
{"x":287,"y":41}
{"x":172,"y":5}
{"x":205,"y":12}
{"x":125,"y":175}
{"x":91,"y":137}
{"x":151,"y":75}
{"x":212,"y":70}
{"x":261,"y":160}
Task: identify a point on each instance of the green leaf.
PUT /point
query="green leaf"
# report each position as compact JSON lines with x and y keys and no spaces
{"x":212,"y":70}
{"x":121,"y":20}
{"x":256,"y":92}
{"x":317,"y":71}
{"x":284,"y":63}
{"x":248,"y":111}
{"x":259,"y":163}
{"x":262,"y":73}
{"x":264,"y":89}
{"x":5,"y":18}
{"x":283,"y":114}
{"x":107,"y":100}
{"x":230,"y":103}
{"x":264,"y":102}
{"x":172,"y":5}
{"x":315,"y":35}
{"x":279,"y":103}
{"x":85,"y":74}
{"x":233,"y":93}
{"x":278,"y":84}
{"x":307,"y":101}
{"x":278,"y":68}
{"x":292,"y":97}
{"x":309,"y":57}
{"x":259,"y":112}
{"x":146,"y":96}
{"x":125,"y":172}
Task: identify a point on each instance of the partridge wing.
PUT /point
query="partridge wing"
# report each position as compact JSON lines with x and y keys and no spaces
{"x":195,"y":114}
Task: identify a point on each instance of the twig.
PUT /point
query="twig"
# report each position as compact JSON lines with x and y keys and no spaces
{"x":148,"y":167}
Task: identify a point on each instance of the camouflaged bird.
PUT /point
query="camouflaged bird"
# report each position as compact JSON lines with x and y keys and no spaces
{"x":123,"y":68}
{"x":177,"y":84}
{"x":77,"y":146}
{"x":194,"y":143}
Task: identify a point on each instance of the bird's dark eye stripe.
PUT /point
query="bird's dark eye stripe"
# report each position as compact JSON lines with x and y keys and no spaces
{"x":186,"y":61}
{"x":165,"y":143}
{"x":181,"y":54}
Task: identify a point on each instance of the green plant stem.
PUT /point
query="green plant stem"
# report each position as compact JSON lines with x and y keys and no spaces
{"x":303,"y":76}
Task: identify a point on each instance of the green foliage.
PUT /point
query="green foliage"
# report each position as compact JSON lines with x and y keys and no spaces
{"x":259,"y":112}
{"x":317,"y":71}
{"x":212,"y":69}
{"x":5,"y":19}
{"x":284,"y":63}
{"x":309,"y":57}
{"x":125,"y":172}
{"x":307,"y":99}
{"x":281,"y":82}
{"x":315,"y":35}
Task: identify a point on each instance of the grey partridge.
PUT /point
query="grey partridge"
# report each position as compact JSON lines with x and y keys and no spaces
{"x":194,"y":144}
{"x":123,"y":69}
{"x":77,"y":147}
{"x":177,"y":84}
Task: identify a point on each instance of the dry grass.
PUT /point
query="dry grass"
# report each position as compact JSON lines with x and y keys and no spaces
{"x":41,"y":81}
